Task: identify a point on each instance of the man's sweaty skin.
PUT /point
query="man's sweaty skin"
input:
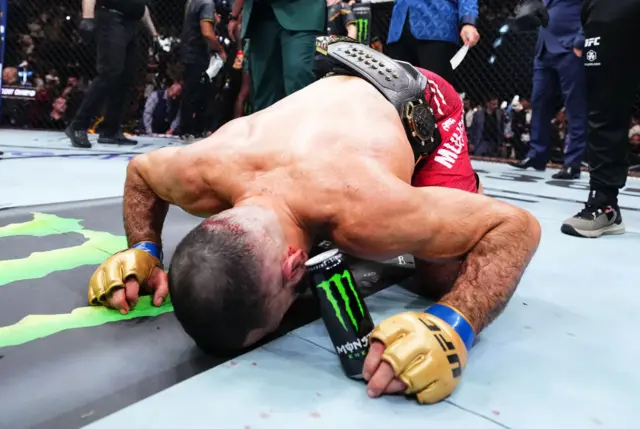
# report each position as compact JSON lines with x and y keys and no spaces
{"x":345,"y":179}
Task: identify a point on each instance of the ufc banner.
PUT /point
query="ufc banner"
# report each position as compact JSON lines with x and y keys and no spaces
{"x":362,"y":13}
{"x":3,"y":38}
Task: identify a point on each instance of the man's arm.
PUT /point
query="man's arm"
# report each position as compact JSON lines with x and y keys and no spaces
{"x":207,"y":30}
{"x":148,"y":22}
{"x":498,"y":240}
{"x":144,"y":210}
{"x":425,"y":353}
{"x":349,"y":21}
{"x":88,"y":9}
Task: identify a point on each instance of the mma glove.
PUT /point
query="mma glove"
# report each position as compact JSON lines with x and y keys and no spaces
{"x":86,"y":29}
{"x":427,"y":351}
{"x":139,"y":261}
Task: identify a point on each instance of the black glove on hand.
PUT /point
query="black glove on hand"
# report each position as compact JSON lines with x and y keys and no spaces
{"x":530,"y":15}
{"x":86,"y":29}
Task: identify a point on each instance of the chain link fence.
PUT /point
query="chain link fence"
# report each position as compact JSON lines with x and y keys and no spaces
{"x":48,"y":67}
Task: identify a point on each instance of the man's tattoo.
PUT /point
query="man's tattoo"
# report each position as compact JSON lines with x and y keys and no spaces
{"x":492,"y":270}
{"x":144,"y":212}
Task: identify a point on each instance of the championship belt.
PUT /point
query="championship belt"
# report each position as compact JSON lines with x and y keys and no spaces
{"x":398,"y":81}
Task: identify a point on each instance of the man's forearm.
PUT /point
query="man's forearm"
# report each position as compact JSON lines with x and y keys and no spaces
{"x":88,"y":8}
{"x":148,"y":22}
{"x":144,"y":211}
{"x":216,"y":46}
{"x":352,"y":31}
{"x":238,"y":5}
{"x":492,"y":270}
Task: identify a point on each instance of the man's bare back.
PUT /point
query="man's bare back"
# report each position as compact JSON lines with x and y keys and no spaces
{"x":285,"y":150}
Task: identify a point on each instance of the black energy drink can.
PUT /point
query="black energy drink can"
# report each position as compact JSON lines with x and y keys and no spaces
{"x":343,"y":310}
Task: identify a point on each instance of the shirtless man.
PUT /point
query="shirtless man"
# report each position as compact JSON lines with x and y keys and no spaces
{"x":334,"y":161}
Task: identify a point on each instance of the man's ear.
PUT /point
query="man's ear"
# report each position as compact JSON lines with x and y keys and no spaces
{"x":293,"y":268}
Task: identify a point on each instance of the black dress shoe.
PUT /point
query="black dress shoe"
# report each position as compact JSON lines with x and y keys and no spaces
{"x":116,"y":139}
{"x":526,"y":163}
{"x":78,"y":138}
{"x":567,"y":173}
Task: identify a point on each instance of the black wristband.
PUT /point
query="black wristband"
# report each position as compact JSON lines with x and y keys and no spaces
{"x":233,"y":17}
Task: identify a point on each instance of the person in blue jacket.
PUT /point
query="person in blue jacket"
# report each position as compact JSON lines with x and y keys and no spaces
{"x":427,"y":33}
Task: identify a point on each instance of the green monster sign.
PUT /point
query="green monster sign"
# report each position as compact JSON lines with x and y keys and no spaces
{"x":344,"y":296}
{"x":97,"y":247}
{"x":362,"y":25}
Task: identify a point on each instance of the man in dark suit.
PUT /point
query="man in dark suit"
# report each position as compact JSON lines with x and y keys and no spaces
{"x":558,"y":67}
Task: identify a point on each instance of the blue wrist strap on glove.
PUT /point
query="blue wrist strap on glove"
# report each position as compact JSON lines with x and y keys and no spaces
{"x":457,"y":322}
{"x":151,"y":248}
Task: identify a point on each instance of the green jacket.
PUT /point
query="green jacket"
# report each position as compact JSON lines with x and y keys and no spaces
{"x":293,"y":15}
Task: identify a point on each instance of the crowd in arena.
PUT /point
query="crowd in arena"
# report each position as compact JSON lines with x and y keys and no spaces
{"x":45,"y":51}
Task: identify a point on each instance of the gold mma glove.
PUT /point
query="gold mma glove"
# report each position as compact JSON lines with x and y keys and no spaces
{"x":113,"y":272}
{"x":427,"y":351}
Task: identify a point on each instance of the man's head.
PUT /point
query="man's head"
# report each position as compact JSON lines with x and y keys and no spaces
{"x":492,"y":102}
{"x":174,"y":91}
{"x":233,"y":277}
{"x":60,"y":105}
{"x":10,"y":75}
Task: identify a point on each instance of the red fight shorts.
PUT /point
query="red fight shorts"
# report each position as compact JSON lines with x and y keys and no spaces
{"x":448,"y":166}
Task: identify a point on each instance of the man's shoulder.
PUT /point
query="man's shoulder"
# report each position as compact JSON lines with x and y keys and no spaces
{"x":196,"y":5}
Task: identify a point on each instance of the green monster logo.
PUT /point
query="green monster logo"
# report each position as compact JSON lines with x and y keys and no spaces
{"x":362,"y":24}
{"x":337,"y":280}
{"x":97,"y":247}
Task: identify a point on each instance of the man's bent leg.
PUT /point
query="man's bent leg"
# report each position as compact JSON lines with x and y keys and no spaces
{"x":574,"y":91}
{"x":111,"y":41}
{"x":298,"y":51}
{"x":117,"y":105}
{"x":265,"y":58}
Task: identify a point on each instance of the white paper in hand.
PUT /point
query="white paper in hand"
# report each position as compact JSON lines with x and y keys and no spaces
{"x":214,"y":66}
{"x":458,"y":57}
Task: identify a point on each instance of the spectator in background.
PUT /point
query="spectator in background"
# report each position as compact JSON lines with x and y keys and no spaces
{"x":198,"y":37}
{"x":487,"y":129}
{"x":116,"y":26}
{"x":283,"y":35}
{"x":12,"y":112}
{"x":521,"y":128}
{"x":425,"y":32}
{"x":340,"y":19}
{"x":162,"y":111}
{"x":558,"y":69}
{"x":56,"y":119}
{"x":376,"y":44}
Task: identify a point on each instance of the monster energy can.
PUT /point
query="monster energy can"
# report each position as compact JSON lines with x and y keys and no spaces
{"x":342,"y":308}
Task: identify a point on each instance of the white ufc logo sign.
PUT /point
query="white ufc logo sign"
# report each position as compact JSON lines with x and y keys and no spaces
{"x":594,"y":41}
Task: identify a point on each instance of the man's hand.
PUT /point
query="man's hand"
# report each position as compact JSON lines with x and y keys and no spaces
{"x":577,"y":51}
{"x":86,"y":29}
{"x":417,"y":353}
{"x":232,"y":28}
{"x":116,"y":283}
{"x":469,"y":35}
